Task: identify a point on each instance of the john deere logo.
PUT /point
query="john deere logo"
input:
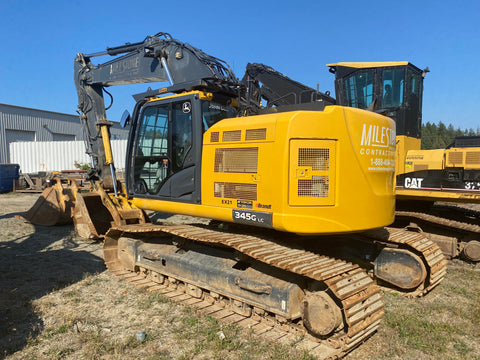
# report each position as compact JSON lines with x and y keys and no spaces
{"x":186,"y":107}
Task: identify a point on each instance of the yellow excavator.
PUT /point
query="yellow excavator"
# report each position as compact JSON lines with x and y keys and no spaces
{"x":281,"y":182}
{"x":423,"y":177}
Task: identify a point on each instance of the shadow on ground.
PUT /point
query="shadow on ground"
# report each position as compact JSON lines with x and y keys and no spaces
{"x":31,"y":266}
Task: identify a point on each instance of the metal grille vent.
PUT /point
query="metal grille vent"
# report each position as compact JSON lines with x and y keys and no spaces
{"x":472,"y":157}
{"x":255,"y":134}
{"x":235,"y":191}
{"x":234,"y":135}
{"x":312,"y":175}
{"x":236,"y":160}
{"x":316,"y":187}
{"x":455,"y":157}
{"x":214,"y":136}
{"x":317,"y":159}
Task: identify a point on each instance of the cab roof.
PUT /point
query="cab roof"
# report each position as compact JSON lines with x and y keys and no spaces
{"x":362,"y":65}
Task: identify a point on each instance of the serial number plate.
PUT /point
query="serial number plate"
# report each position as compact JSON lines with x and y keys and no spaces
{"x":256,"y":218}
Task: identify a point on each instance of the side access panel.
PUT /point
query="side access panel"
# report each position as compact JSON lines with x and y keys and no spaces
{"x":312,"y":172}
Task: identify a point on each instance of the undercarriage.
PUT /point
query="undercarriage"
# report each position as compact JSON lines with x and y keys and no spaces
{"x":455,"y":229}
{"x":332,"y":304}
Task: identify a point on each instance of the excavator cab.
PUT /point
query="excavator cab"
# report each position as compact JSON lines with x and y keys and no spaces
{"x":164,"y":161}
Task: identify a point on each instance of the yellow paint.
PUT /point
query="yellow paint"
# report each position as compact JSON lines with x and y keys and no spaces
{"x":425,"y":160}
{"x":404,"y":144}
{"x":360,"y":172}
{"x":410,"y":158}
{"x":364,"y":65}
{"x":106,"y":144}
{"x":458,"y":196}
{"x":201,"y":94}
{"x":467,"y":157}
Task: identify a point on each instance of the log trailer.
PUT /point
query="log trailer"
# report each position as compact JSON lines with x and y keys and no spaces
{"x":279,"y":182}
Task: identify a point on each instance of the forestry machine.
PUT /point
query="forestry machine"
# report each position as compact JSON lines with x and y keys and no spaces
{"x":423,"y":177}
{"x":277,"y":181}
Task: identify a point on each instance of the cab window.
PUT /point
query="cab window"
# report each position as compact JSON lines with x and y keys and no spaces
{"x":359,"y":89}
{"x":413,"y":102}
{"x":181,"y":133}
{"x":152,"y":150}
{"x":392,"y":87}
{"x":213,"y":112}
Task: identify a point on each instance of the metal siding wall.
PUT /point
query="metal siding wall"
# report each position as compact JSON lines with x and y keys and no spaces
{"x":119,"y":150}
{"x":20,"y":118}
{"x":119,"y":133}
{"x":43,"y":123}
{"x":58,"y":155}
{"x":3,"y":140}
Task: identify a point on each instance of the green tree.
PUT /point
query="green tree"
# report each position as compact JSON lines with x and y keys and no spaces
{"x":428,"y":134}
{"x":439,"y":136}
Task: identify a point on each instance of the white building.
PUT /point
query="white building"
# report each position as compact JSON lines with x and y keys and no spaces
{"x":25,"y":124}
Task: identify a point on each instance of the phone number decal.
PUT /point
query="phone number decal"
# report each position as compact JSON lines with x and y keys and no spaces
{"x":256,"y":218}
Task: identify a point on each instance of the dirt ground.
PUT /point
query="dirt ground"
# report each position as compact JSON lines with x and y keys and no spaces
{"x":35,"y":261}
{"x":57,"y":301}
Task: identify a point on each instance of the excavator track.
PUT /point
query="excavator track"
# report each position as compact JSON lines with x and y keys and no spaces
{"x":428,"y":251}
{"x":463,"y":210}
{"x":356,"y":294}
{"x":454,"y":244}
{"x":453,"y":224}
{"x":400,"y":260}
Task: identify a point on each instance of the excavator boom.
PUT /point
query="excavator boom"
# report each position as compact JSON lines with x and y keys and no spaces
{"x":280,"y":91}
{"x":159,"y":58}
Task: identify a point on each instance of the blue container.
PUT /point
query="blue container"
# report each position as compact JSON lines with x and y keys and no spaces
{"x":8,"y":173}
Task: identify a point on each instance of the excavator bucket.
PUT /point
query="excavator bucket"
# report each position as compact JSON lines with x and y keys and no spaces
{"x":53,"y":207}
{"x":91,"y":218}
{"x":64,"y":204}
{"x":92,"y":213}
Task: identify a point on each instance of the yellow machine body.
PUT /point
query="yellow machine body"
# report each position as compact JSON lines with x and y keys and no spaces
{"x":405,"y":144}
{"x":467,"y":158}
{"x":395,"y":89}
{"x":306,"y":172}
{"x":438,"y":174}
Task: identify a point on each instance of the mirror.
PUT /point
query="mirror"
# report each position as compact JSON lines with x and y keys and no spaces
{"x":125,"y":120}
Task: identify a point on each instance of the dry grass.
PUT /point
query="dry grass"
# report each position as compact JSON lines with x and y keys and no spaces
{"x":98,"y":317}
{"x":58,"y":302}
{"x":442,"y":325}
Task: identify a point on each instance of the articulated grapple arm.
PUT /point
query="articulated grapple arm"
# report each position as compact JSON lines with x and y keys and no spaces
{"x":281,"y":91}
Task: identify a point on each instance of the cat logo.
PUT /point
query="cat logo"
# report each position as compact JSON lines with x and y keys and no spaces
{"x":413,"y":183}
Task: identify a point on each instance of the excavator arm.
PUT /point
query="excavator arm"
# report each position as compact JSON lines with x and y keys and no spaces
{"x":157,"y":58}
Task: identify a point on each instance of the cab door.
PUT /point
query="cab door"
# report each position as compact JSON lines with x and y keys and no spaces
{"x":166,"y":151}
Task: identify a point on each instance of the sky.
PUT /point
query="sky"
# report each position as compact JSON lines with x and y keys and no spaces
{"x":39,"y":41}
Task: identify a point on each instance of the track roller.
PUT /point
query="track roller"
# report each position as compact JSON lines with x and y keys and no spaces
{"x":321,"y":315}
